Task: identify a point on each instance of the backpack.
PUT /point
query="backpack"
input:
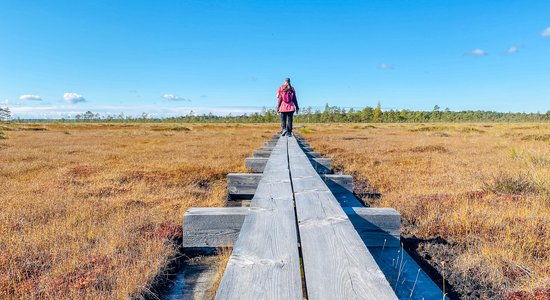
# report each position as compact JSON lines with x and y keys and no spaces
{"x":288,"y":96}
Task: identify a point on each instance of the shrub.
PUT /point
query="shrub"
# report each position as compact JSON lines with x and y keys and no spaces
{"x":510,"y":185}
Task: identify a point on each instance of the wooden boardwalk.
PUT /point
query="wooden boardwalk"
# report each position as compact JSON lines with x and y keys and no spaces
{"x":305,"y":234}
{"x":265,"y":263}
{"x":291,"y":204}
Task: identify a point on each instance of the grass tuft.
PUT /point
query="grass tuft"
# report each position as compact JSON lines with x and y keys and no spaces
{"x":537,"y":137}
{"x":507,"y":184}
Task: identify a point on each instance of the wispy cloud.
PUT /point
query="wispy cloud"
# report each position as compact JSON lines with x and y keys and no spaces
{"x":514,"y":49}
{"x":5,"y":101}
{"x":478,"y":52}
{"x":172,"y":97}
{"x":385,"y":66}
{"x":73,"y":98}
{"x":546,"y":32}
{"x":30,"y":98}
{"x":252,"y":78}
{"x":69,"y":111}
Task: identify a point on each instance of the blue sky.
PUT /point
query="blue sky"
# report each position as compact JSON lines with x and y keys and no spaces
{"x":59,"y":58}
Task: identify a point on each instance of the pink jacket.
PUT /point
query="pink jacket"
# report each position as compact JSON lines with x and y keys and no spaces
{"x":287,"y":100}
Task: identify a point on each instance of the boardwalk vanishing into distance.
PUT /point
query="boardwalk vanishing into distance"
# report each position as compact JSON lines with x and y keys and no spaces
{"x":305,"y":235}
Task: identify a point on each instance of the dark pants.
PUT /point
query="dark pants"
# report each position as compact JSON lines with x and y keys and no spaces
{"x":286,"y":121}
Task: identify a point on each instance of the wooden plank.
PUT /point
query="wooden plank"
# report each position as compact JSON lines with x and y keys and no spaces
{"x":242,"y":185}
{"x":313,"y":154}
{"x":377,"y":227}
{"x":212,"y":227}
{"x":262,"y":153}
{"x":255,"y":164}
{"x":344,"y":181}
{"x":265,"y":263}
{"x":337,"y":264}
{"x":321,"y":165}
{"x":219,"y":226}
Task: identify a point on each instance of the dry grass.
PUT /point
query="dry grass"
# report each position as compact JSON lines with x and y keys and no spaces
{"x":483,"y":188}
{"x":223,"y":257}
{"x":92,"y":210}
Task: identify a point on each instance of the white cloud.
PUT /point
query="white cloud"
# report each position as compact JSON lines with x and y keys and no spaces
{"x":73,"y":98}
{"x":30,"y":97}
{"x":5,"y":101}
{"x":385,"y":66}
{"x":513,"y":50}
{"x":546,"y":32}
{"x":68,"y":111}
{"x":172,"y":97}
{"x":478,"y":52}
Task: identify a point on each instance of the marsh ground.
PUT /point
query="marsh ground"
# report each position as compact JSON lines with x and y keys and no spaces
{"x":474,"y":198}
{"x":93,"y":210}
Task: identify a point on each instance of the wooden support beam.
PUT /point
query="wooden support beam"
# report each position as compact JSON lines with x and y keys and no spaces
{"x":257,"y":164}
{"x":313,"y":154}
{"x":262,"y":153}
{"x":337,"y":264}
{"x":321,"y":165}
{"x":212,"y":227}
{"x":205,"y":227}
{"x":242,"y":185}
{"x":377,"y":227}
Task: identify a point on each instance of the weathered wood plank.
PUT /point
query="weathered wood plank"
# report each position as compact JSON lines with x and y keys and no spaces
{"x":242,"y":185}
{"x":377,"y":227}
{"x":219,"y":226}
{"x":255,"y":164}
{"x":313,"y":154}
{"x":212,"y":226}
{"x":344,"y":181}
{"x":265,"y":262}
{"x":337,"y":264}
{"x":262,"y":153}
{"x":321,"y":165}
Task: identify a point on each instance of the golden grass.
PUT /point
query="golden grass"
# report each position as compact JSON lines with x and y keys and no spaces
{"x":485,"y":188}
{"x":92,"y":210}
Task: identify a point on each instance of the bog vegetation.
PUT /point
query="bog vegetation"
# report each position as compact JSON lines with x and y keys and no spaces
{"x":474,"y":196}
{"x":93,"y":210}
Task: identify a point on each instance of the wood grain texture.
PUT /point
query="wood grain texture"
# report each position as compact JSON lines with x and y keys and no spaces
{"x":255,"y":164}
{"x":265,"y":262}
{"x":220,"y":226}
{"x":242,"y":185}
{"x":212,"y":227}
{"x":337,"y":264}
{"x":262,"y":153}
{"x":313,"y":154}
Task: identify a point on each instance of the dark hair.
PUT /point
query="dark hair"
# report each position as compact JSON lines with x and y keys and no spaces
{"x":289,"y":86}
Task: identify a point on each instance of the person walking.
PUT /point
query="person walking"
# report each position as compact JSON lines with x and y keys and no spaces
{"x":286,"y":106}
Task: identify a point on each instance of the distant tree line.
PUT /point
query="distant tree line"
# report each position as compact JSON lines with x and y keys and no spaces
{"x":330,"y":114}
